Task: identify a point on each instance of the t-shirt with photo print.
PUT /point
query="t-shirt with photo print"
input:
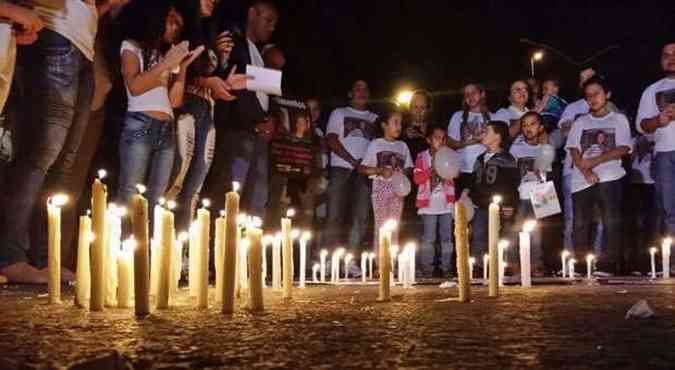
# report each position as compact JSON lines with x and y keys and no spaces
{"x":392,"y":154}
{"x":355,"y":129}
{"x":472,"y":129}
{"x":525,"y":155}
{"x":654,"y":99}
{"x":594,"y":136}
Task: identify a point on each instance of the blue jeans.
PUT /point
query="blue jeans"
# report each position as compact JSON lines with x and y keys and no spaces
{"x":58,"y":81}
{"x":249,"y":165}
{"x":568,"y":210}
{"x":436,"y":227}
{"x":147,"y":148}
{"x":202,"y":157}
{"x":608,"y":197}
{"x":664,"y":174}
{"x":347,"y":189}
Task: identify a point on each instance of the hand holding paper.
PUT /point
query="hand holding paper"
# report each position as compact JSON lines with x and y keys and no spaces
{"x":264,"y":80}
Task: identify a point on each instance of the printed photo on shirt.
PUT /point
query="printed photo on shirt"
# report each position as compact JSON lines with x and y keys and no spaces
{"x":389,"y":159}
{"x":472,"y":129}
{"x":596,"y":142}
{"x":664,"y":98}
{"x":525,"y":165}
{"x":356,"y":127}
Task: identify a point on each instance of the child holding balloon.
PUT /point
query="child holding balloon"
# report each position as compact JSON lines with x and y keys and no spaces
{"x":387,"y":160}
{"x":435,"y":199}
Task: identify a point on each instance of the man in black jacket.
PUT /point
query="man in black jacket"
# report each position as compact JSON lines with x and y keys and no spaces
{"x":242,"y":126}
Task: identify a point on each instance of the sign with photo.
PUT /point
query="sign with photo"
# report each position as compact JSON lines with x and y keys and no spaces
{"x":595,"y":142}
{"x":544,"y":200}
{"x":291,"y":152}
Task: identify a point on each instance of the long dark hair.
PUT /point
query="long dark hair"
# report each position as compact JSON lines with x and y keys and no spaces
{"x":198,"y":31}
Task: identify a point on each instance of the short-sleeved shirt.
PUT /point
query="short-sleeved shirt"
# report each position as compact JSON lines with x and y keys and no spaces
{"x":525,"y":155}
{"x":509,"y":115}
{"x":355,"y":129}
{"x":463,"y":131}
{"x":654,"y":99}
{"x":387,"y":154}
{"x":156,"y":99}
{"x":76,"y":20}
{"x":594,"y":136}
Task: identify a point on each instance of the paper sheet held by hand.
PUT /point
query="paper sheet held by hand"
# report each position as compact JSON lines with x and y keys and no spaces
{"x":264,"y":80}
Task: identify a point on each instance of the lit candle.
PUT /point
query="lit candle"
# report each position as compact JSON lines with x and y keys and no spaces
{"x":243,"y":264}
{"x":139,"y":225}
{"x":525,"y":261}
{"x":219,"y":250}
{"x":203,"y":225}
{"x":563,"y":259}
{"x":348,"y":261}
{"x":177,"y":262}
{"x":385,"y":260}
{"x":98,"y":209}
{"x":371,"y":258}
{"x":364,"y":264}
{"x":335,"y":265}
{"x":165,"y":251}
{"x":315,"y":271}
{"x":193,"y":259}
{"x":156,"y":241}
{"x":125,"y":273}
{"x":242,"y":219}
{"x":486,"y":260}
{"x":54,"y":205}
{"x":255,"y":296}
{"x":462,"y":242}
{"x":113,"y":234}
{"x":503,"y":246}
{"x":589,"y":266}
{"x":287,"y":249}
{"x":412,"y":251}
{"x":303,"y":256}
{"x":472,"y":261}
{"x":230,"y":255}
{"x":493,"y":241}
{"x":276,"y":262}
{"x":82,"y":274}
{"x":323,"y":255}
{"x":665,"y":256}
{"x":570,"y":267}
{"x":652,"y":252}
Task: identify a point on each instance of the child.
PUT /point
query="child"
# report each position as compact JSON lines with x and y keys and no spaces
{"x":435,"y":200}
{"x":384,"y":157}
{"x":495,"y":173}
{"x":147,"y":143}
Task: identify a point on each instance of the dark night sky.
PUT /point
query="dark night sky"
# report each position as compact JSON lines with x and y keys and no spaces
{"x":437,"y":45}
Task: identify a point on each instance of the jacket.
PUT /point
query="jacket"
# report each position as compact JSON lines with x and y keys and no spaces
{"x":499,"y":176}
{"x":422,"y":176}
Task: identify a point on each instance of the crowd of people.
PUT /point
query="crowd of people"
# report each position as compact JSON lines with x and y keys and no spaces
{"x":190,"y":128}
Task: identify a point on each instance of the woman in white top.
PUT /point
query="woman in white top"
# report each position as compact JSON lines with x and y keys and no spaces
{"x":155,"y":82}
{"x":519,"y":95}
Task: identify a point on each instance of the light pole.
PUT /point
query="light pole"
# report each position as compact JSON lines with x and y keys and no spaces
{"x":537,"y":56}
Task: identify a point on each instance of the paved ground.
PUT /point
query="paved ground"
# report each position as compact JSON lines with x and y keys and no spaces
{"x":342,"y":327}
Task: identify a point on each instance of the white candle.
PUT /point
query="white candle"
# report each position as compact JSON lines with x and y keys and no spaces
{"x":114,"y":245}
{"x":384,"y":265}
{"x":652,"y":252}
{"x":230,"y":250}
{"x":323,"y":255}
{"x":525,"y":261}
{"x":99,"y":198}
{"x":371,"y":257}
{"x":139,"y":224}
{"x":348,"y":260}
{"x":276,"y":262}
{"x":165,"y":251}
{"x":472,"y":261}
{"x":589,"y":266}
{"x":177,"y":257}
{"x":54,"y":205}
{"x":255,"y":289}
{"x":83,"y":274}
{"x":335,"y":264}
{"x":156,"y":241}
{"x":665,"y":257}
{"x":570,"y":267}
{"x":125,"y":272}
{"x":306,"y":236}
{"x":193,"y":259}
{"x":204,"y":231}
{"x":287,"y":252}
{"x":493,"y":245}
{"x":364,"y":264}
{"x":503,"y":245}
{"x":486,"y":261}
{"x":243,"y":263}
{"x":409,"y":266}
{"x":401,"y":269}
{"x":219,"y":255}
{"x":315,"y":271}
{"x":563,"y":262}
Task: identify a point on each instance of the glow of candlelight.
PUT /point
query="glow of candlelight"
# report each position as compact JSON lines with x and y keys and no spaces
{"x":58,"y":200}
{"x":102,"y":174}
{"x":171,"y":205}
{"x":290,"y":213}
{"x":529,"y":226}
{"x":235,"y":186}
{"x":141,"y":189}
{"x":206,"y":203}
{"x":497,"y":199}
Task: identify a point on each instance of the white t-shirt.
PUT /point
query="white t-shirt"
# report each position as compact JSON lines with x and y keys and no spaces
{"x":257,"y":60}
{"x":76,"y":20}
{"x":593,"y":136}
{"x":355,"y":129}
{"x":656,"y":97}
{"x":392,"y":154}
{"x":571,"y":113}
{"x":525,"y":155}
{"x":642,"y":166}
{"x":509,"y":114}
{"x":155,"y":100}
{"x":474,"y":127}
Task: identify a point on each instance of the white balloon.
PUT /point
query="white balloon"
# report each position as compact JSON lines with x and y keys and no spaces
{"x":446,"y":163}
{"x":401,"y":184}
{"x":544,"y":161}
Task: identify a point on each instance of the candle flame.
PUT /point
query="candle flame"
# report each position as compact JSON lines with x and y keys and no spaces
{"x":306,"y":235}
{"x":390,"y":225}
{"x":222,"y":213}
{"x":410,"y":246}
{"x":324,"y":252}
{"x":590,"y":257}
{"x":497,"y":199}
{"x":472,"y":260}
{"x":256,"y":222}
{"x":653,"y":250}
{"x":371,"y":255}
{"x":206,"y":203}
{"x":364,"y":254}
{"x":565,"y":253}
{"x":171,"y":205}
{"x":183,"y":236}
{"x":290,"y":213}
{"x":486,"y":257}
{"x":235,"y":186}
{"x":102,"y":174}
{"x":503,"y":244}
{"x":141,"y":189}
{"x":89,"y":212}
{"x":339,"y":252}
{"x":161,"y":201}
{"x":119,"y":211}
{"x":92,"y":237}
{"x":529,"y":226}
{"x":295,"y":233}
{"x":129,"y":245}
{"x":241,"y":219}
{"x":349,"y":257}
{"x":668,"y":241}
{"x":58,"y":200}
{"x":316,"y":267}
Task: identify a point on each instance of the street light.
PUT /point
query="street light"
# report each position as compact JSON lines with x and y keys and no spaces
{"x":537,"y":56}
{"x":404,"y":97}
